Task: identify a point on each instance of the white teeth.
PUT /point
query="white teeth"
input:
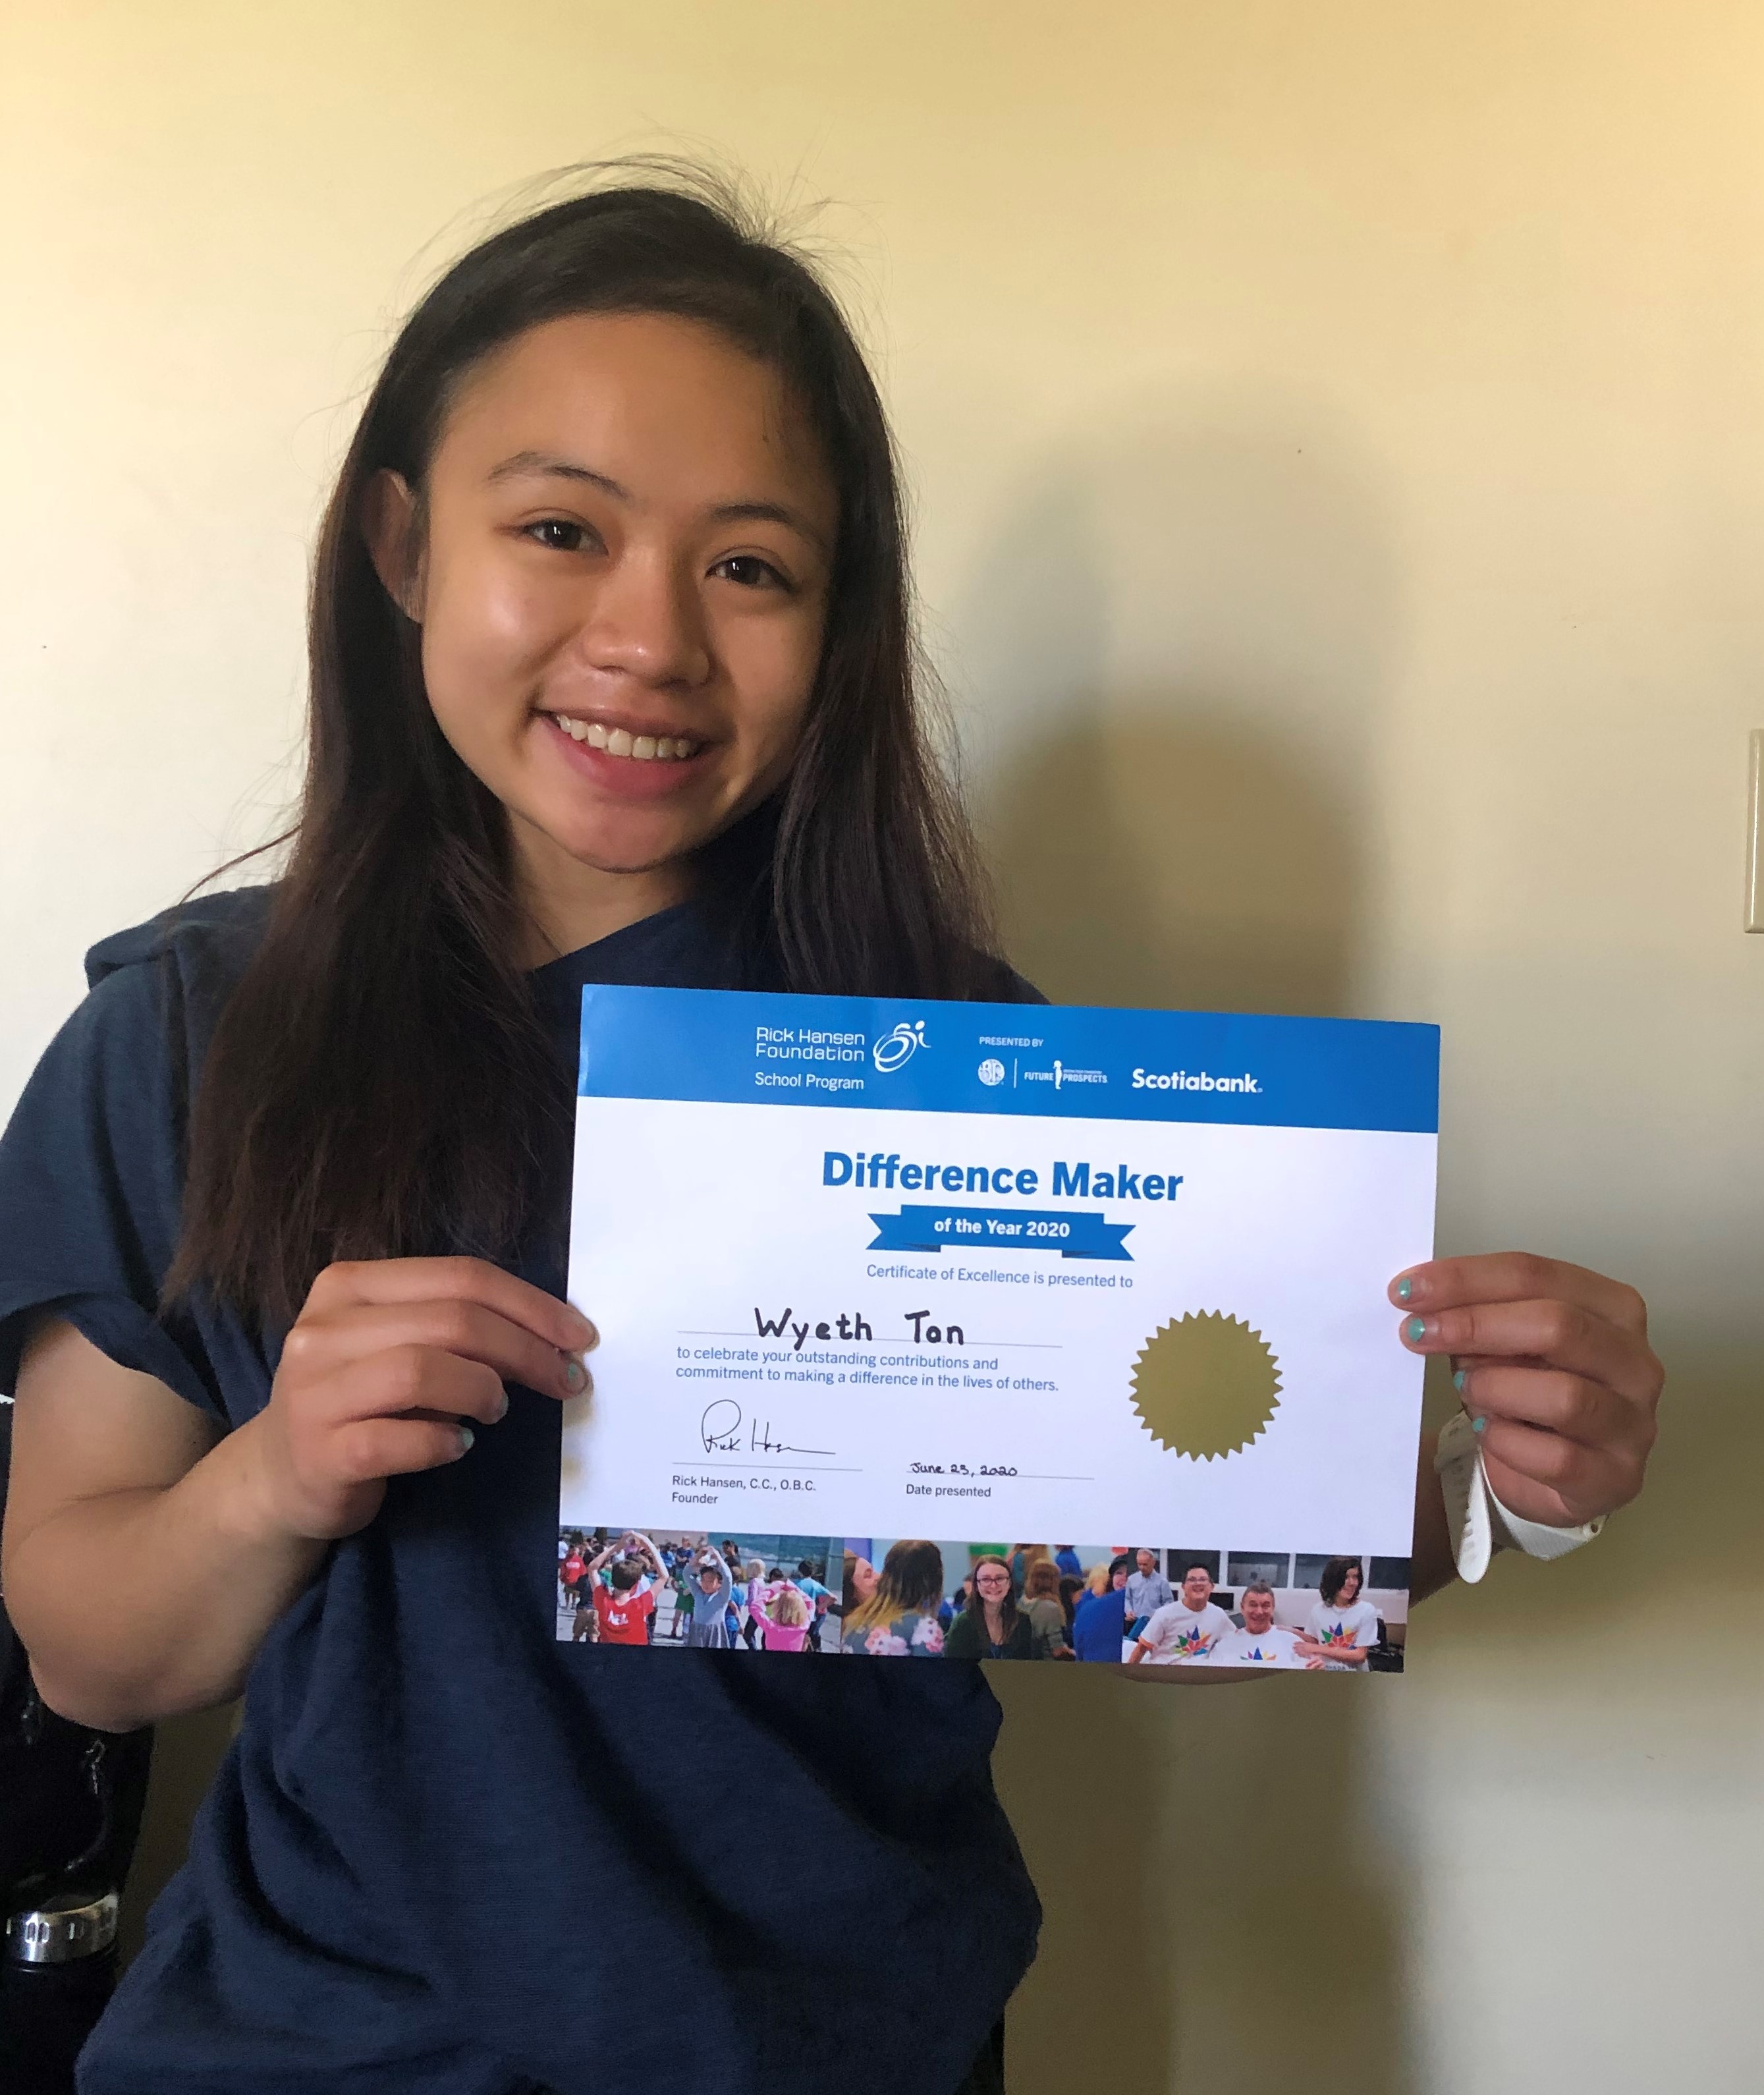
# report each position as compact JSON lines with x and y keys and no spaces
{"x":620,"y":741}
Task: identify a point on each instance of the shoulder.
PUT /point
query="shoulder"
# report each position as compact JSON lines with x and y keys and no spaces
{"x":168,"y":978}
{"x":128,"y":1053}
{"x":997,"y":981}
{"x":207,"y":941}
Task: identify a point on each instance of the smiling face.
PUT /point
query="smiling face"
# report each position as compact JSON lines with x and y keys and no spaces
{"x":1197,"y":1589}
{"x":622,"y":582}
{"x":1258,"y":1613}
{"x":1350,"y":1588}
{"x":992,"y":1581}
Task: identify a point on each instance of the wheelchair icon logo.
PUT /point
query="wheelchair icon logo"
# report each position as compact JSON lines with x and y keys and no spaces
{"x":899,"y":1047}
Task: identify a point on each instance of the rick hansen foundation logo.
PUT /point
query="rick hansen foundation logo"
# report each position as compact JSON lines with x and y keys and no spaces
{"x":897,"y":1048}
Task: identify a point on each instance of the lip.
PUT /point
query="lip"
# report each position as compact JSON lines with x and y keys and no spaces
{"x":625,"y":777}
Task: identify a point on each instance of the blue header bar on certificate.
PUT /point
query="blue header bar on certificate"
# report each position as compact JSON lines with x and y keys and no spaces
{"x":1049,"y":1061}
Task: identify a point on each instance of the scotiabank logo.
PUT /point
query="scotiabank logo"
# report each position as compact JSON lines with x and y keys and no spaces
{"x":1193,"y":1080}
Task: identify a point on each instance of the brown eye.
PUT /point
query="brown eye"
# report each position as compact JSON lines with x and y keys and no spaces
{"x":751,"y":572}
{"x":559,"y":534}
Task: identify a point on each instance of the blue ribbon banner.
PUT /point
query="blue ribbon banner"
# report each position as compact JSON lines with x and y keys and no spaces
{"x":1001,"y":1229}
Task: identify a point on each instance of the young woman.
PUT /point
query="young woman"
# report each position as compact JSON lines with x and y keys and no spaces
{"x":1342,"y":1630}
{"x":992,"y":1626}
{"x":611,"y":681}
{"x":899,"y":1619}
{"x":1042,"y":1604}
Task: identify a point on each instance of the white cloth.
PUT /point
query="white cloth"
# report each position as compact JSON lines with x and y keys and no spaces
{"x":1275,"y":1647}
{"x":1478,"y":1523}
{"x":1356,"y":1626}
{"x":1180,"y":1633}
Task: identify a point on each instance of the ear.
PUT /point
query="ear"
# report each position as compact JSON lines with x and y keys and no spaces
{"x":389,"y":526}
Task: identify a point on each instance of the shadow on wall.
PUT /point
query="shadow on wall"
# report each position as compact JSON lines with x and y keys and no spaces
{"x":1142,"y":859}
{"x":186,"y":1751}
{"x":1219,"y":1919}
{"x":1180,"y":653}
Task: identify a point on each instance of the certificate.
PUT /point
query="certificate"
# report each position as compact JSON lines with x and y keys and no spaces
{"x":883,"y":1286}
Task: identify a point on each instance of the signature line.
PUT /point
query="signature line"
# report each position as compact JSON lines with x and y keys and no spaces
{"x":825,"y":1469}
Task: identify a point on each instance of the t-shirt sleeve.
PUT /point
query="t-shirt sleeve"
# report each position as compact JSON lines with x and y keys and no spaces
{"x":90,"y":1190}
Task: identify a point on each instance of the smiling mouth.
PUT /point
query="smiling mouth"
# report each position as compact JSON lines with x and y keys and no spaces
{"x":620,"y":741}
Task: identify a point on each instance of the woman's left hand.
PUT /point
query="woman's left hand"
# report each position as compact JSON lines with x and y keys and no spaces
{"x":1556,"y":1361}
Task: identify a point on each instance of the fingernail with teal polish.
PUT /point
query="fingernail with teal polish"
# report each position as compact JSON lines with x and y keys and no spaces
{"x":467,"y":1436}
{"x":1404,"y":1288}
{"x":1415,"y":1329}
{"x":1458,"y":1379}
{"x":1477,"y":1425}
{"x":576,"y":1375}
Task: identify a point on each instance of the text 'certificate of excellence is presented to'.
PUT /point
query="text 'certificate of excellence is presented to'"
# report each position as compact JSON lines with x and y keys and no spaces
{"x":884,"y":1288}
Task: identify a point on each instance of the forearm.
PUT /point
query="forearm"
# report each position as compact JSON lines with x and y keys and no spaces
{"x":193,"y":1582}
{"x":1190,"y":1675}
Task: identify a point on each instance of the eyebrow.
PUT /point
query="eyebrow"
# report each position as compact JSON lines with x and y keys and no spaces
{"x":548,"y":465}
{"x":543,"y":465}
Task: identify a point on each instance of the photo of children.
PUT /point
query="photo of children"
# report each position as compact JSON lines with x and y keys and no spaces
{"x":871,"y":1596}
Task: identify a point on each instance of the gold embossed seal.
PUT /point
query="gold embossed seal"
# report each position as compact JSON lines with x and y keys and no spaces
{"x":1205,"y":1384}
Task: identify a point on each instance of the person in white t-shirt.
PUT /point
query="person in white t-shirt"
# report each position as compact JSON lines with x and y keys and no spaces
{"x":1187,"y":1629}
{"x":1259,"y":1643}
{"x":1342,"y":1629}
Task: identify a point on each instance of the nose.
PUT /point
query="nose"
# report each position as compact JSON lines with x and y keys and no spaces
{"x":647,"y":622}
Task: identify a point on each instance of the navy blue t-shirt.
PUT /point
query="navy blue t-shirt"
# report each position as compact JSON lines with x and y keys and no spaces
{"x":447,"y":1852}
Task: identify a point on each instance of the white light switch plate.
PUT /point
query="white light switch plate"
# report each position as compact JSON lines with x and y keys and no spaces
{"x":1754,"y":840}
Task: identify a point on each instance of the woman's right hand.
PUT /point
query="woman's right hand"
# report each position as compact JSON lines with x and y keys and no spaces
{"x":385,"y":1370}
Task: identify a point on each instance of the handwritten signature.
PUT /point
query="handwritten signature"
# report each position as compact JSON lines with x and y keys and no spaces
{"x":721,"y":1428}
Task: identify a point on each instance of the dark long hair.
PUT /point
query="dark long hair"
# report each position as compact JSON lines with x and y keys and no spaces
{"x":1334,"y":1577}
{"x":378,"y":1083}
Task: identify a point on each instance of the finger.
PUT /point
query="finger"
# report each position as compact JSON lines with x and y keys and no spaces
{"x":390,"y":1280}
{"x":1513,"y":1276}
{"x":1561,"y":1334}
{"x":1580,"y":1410}
{"x":367,"y":1448}
{"x":319,"y":1344}
{"x":1541,"y":1477}
{"x":414,"y":1381}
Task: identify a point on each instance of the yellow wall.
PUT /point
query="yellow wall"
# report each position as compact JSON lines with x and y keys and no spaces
{"x":1335,"y":431}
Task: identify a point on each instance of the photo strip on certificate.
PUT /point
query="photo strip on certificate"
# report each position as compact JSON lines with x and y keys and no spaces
{"x":876,"y":1281}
